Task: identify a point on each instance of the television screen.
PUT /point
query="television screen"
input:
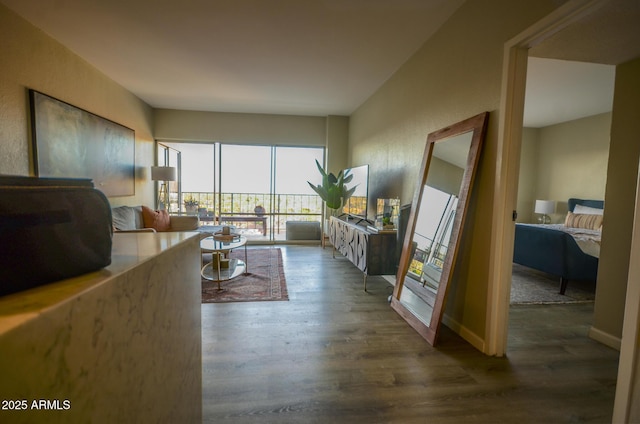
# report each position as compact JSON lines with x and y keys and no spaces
{"x":356,"y":205}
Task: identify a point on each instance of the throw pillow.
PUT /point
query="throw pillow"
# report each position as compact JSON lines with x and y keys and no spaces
{"x":158,"y":220}
{"x":123,"y":218}
{"x":586,"y":221}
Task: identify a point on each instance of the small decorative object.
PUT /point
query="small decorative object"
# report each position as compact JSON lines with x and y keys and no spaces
{"x":226,"y":237}
{"x":259,"y":210}
{"x":387,"y":213}
{"x":191,"y":205}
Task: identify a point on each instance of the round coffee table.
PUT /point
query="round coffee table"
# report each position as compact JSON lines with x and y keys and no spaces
{"x":222,"y":268}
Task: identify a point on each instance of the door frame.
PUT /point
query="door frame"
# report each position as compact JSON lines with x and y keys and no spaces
{"x":515,"y":57}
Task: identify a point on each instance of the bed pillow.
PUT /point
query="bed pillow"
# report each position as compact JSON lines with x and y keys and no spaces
{"x":586,"y":221}
{"x":580,"y":209}
{"x":158,"y":220}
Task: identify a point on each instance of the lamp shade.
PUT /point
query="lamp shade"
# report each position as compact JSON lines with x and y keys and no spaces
{"x":545,"y":206}
{"x":163,"y":173}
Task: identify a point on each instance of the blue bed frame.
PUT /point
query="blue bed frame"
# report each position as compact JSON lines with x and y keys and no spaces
{"x":556,"y":252}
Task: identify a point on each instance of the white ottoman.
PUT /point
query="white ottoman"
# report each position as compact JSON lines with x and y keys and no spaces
{"x":303,"y":230}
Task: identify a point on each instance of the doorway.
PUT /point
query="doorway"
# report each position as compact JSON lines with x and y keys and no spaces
{"x":569,"y":19}
{"x":564,"y":155}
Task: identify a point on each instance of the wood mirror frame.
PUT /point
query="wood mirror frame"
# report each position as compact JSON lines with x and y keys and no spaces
{"x":414,"y":306}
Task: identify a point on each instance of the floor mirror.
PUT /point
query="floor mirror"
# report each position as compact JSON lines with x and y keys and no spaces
{"x":435,"y":224}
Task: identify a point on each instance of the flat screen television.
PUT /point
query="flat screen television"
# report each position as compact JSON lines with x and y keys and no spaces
{"x":356,"y":205}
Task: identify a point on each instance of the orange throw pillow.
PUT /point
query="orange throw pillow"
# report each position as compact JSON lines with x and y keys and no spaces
{"x":158,"y":220}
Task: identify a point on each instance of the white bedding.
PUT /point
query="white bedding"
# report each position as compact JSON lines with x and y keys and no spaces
{"x":587,"y":240}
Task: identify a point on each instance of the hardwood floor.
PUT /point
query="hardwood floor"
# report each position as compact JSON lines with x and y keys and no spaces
{"x":336,"y":354}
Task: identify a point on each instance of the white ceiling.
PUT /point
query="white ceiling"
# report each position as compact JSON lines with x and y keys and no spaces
{"x":561,"y":90}
{"x":580,"y":81}
{"x":300,"y":57}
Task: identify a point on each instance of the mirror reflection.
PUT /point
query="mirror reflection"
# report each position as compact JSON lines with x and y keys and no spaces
{"x":434,"y":224}
{"x":437,"y":214}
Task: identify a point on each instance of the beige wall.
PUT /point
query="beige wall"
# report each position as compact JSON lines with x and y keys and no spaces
{"x":455,"y":75}
{"x":528,"y":174}
{"x":622,"y":173}
{"x":239,"y":128}
{"x":31,"y":59}
{"x":562,"y":161}
{"x":572,"y":161}
{"x":445,"y":176}
{"x":337,"y":143}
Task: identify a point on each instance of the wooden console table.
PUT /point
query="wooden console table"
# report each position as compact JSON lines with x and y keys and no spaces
{"x":372,"y":253}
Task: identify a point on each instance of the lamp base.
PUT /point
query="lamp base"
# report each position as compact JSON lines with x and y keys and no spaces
{"x":544,"y":219}
{"x":163,"y":197}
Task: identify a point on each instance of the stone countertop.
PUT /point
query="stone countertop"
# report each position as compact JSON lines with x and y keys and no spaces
{"x":128,"y":250}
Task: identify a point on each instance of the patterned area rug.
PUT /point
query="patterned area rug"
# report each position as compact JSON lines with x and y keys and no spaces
{"x":264,"y":281}
{"x":529,"y":286}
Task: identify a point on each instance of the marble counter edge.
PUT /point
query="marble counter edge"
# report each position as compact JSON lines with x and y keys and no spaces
{"x":128,"y":251}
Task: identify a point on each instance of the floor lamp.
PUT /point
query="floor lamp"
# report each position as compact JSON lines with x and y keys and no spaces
{"x":164,"y":174}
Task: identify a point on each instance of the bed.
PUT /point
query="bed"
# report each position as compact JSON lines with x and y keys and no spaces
{"x":569,"y":251}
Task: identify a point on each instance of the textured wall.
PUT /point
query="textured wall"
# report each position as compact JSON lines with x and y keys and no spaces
{"x":31,"y":59}
{"x":562,"y":161}
{"x":572,"y":161}
{"x":240,"y":128}
{"x":455,"y":75}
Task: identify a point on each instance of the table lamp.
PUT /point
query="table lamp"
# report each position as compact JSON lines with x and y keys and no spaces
{"x":164,"y":174}
{"x":545,"y":207}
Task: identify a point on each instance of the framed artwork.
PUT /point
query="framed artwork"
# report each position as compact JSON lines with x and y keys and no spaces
{"x":69,"y":142}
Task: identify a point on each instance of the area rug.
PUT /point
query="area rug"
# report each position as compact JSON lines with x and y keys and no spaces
{"x":529,"y":286}
{"x":264,"y":281}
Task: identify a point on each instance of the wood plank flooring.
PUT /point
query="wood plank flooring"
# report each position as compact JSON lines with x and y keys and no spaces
{"x":336,"y":354}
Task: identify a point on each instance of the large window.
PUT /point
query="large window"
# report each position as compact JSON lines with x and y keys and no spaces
{"x":168,"y":156}
{"x":244,"y":181}
{"x":294,"y":200}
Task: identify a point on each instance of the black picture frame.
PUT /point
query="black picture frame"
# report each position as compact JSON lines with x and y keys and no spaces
{"x":69,"y":142}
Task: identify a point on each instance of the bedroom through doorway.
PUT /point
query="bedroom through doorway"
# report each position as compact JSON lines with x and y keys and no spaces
{"x":564,"y":155}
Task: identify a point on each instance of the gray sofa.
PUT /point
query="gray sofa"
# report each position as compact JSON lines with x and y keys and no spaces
{"x":129,"y":219}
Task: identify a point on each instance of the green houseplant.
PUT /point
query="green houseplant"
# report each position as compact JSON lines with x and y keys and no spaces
{"x":333,"y":190}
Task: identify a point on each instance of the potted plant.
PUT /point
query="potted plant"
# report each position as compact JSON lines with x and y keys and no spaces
{"x":333,"y":190}
{"x":191,"y":205}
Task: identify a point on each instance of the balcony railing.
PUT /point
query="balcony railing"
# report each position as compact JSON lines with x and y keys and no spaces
{"x":279,"y":208}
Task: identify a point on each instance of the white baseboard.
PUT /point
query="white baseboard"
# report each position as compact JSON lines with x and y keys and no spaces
{"x":605,"y":338}
{"x":475,"y":340}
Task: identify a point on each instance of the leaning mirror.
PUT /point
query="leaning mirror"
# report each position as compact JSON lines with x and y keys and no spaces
{"x":435,"y":224}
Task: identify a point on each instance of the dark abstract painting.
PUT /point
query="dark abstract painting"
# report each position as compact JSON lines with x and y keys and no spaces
{"x":70,"y":142}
